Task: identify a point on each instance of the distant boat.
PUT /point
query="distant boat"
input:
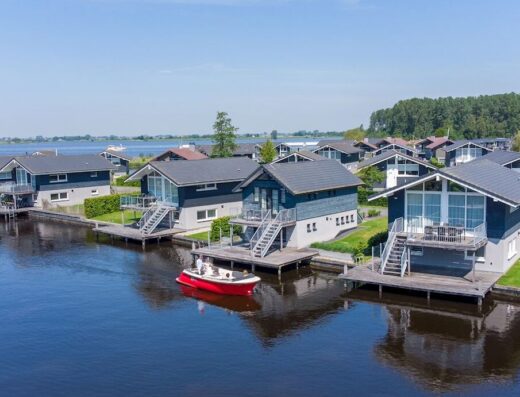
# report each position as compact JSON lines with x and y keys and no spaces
{"x":115,"y":148}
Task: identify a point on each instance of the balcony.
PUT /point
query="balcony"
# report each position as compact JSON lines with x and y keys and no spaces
{"x":425,"y":233}
{"x":16,"y":189}
{"x":254,"y":216}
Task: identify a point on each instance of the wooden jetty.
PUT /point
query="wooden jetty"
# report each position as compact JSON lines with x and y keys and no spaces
{"x":278,"y":260}
{"x":131,"y":233}
{"x":426,"y":282}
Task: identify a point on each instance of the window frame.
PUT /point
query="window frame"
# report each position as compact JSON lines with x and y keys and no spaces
{"x":59,"y":178}
{"x":207,"y":217}
{"x":60,"y":198}
{"x":204,"y":187}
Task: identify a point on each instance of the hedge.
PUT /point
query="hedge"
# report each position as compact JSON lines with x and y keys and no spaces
{"x":223,"y":223}
{"x":121,"y":181}
{"x":97,"y":206}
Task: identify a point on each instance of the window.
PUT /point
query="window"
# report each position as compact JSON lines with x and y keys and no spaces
{"x":6,"y":175}
{"x":337,"y":221}
{"x":314,"y":228}
{"x":93,"y":174}
{"x":308,"y":227}
{"x":206,"y":215}
{"x":206,"y":186}
{"x":351,"y":217}
{"x":511,"y":248}
{"x":94,"y":192}
{"x":347,"y":219}
{"x":416,"y":251}
{"x":282,"y":196}
{"x":54,"y":178}
{"x":63,"y":196}
{"x":342,"y":220}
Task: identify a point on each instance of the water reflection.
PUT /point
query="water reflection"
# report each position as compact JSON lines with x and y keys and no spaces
{"x":446,"y":345}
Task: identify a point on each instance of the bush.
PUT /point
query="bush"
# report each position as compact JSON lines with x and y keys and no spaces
{"x":97,"y":206}
{"x":223,"y":224}
{"x":375,"y":240}
{"x":373,"y":212}
{"x":364,"y":193}
{"x":121,"y":181}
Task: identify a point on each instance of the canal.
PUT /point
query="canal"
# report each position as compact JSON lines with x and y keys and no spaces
{"x":85,"y":318}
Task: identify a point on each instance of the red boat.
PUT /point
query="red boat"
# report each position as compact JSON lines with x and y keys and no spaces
{"x":219,"y":281}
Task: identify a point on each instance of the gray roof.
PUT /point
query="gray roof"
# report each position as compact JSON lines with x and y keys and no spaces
{"x":481,"y":175}
{"x":117,"y":153}
{"x":242,"y":149}
{"x":457,"y":144}
{"x":4,"y":160}
{"x":389,"y":154}
{"x":185,"y":173}
{"x":312,"y":176}
{"x":489,"y":177}
{"x":342,"y":146}
{"x":38,"y":165}
{"x":304,"y":153}
{"x":502,"y":157}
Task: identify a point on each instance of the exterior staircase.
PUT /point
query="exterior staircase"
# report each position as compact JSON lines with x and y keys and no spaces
{"x":267,"y":238}
{"x":153,"y":217}
{"x":394,"y":264}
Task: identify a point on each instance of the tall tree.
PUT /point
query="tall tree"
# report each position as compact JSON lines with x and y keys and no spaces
{"x":274,"y":135}
{"x":267,"y":152}
{"x":355,"y":134}
{"x":224,"y":136}
{"x":515,"y":145}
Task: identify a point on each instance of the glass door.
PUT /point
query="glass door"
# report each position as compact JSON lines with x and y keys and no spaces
{"x":21,"y":176}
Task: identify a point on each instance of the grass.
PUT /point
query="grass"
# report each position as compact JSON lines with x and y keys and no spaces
{"x":512,"y":277}
{"x":363,"y":233}
{"x":115,"y":217}
{"x":199,"y":236}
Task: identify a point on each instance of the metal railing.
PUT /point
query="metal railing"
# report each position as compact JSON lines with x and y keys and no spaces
{"x":137,"y":201}
{"x":266,"y":220}
{"x":404,"y":262}
{"x":427,"y":230}
{"x":258,"y":215}
{"x":287,"y":215}
{"x":397,"y":227}
{"x":16,"y":188}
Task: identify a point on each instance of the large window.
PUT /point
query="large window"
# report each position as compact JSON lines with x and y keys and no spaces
{"x":6,"y":175}
{"x":162,"y":188}
{"x":432,"y":207}
{"x":330,"y":153}
{"x":465,"y":154}
{"x":63,"y":196}
{"x":206,"y":215}
{"x":457,"y":209}
{"x":474,"y":210}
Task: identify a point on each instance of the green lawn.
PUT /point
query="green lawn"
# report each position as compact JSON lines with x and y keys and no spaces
{"x":115,"y":217}
{"x":363,"y":233}
{"x":199,"y":236}
{"x":512,"y":277}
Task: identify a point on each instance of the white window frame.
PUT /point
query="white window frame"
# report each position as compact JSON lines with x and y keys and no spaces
{"x":207,"y":218}
{"x":5,"y":175}
{"x":206,"y":186}
{"x":59,"y":178}
{"x":256,"y":194}
{"x":511,"y":249}
{"x":60,"y":198}
{"x":94,"y":192}
{"x":93,"y":174}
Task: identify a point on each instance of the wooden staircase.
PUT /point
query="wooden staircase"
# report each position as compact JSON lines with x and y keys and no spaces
{"x":393,"y":265}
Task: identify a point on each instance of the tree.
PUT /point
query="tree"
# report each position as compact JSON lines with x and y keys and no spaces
{"x":370,"y":176}
{"x":355,"y":134}
{"x":267,"y":152}
{"x":224,"y":136}
{"x":515,"y":145}
{"x":274,"y":135}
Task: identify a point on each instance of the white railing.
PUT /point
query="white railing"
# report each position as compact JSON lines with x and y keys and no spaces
{"x":260,"y":231}
{"x":397,"y":227}
{"x":16,"y":188}
{"x":287,"y":215}
{"x":427,"y":230}
{"x":404,"y":262}
{"x":258,"y":215}
{"x":137,"y":201}
{"x":276,"y":224}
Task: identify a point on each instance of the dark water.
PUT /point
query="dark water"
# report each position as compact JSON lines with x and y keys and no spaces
{"x":80,"y":318}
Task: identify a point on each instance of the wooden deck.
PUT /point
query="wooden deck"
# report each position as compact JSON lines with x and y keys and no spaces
{"x":275,"y":260}
{"x":429,"y":283}
{"x":132,"y":233}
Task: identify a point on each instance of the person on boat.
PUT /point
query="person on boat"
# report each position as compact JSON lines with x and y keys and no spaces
{"x":199,"y":264}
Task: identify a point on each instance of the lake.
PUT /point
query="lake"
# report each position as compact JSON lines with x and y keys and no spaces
{"x":86,"y":318}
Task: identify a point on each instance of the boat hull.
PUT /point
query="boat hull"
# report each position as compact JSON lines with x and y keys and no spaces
{"x":243,"y":289}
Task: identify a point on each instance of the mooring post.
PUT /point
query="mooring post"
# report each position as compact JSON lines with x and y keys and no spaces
{"x":280,"y":273}
{"x":473,"y":265}
{"x":143,"y":243}
{"x":380,"y":291}
{"x":428,"y":296}
{"x":232,"y":263}
{"x":253,"y":267}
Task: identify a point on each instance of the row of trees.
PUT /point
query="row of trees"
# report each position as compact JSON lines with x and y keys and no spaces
{"x":471,"y":117}
{"x":224,"y":139}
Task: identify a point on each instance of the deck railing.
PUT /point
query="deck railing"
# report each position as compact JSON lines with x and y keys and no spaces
{"x":16,"y":188}
{"x":258,"y":215}
{"x":137,"y":201}
{"x":426,"y":230}
{"x":260,"y":231}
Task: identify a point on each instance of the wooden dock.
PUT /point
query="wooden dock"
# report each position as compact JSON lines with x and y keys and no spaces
{"x":242,"y":255}
{"x":134,"y":234}
{"x":426,"y":282}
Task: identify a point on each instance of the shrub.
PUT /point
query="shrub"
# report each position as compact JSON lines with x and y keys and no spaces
{"x":375,"y":240}
{"x":364,"y":193}
{"x":97,"y":206}
{"x":121,"y":181}
{"x":223,"y":223}
{"x":373,"y":212}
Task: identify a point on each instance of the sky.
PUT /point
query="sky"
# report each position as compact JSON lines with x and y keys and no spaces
{"x":130,"y":67}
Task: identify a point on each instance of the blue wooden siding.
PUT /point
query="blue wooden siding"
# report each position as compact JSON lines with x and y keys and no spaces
{"x":76,"y":179}
{"x":349,"y":158}
{"x":190,"y":197}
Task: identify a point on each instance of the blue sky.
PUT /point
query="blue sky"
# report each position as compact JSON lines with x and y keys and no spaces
{"x":167,"y":66}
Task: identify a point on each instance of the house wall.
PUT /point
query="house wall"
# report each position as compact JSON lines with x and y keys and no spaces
{"x":76,"y":195}
{"x":188,"y":215}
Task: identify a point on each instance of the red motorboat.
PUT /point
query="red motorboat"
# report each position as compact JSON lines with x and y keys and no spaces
{"x":219,"y":281}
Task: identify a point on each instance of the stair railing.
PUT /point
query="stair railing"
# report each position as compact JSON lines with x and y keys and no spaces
{"x":397,"y":227}
{"x":146,"y":216}
{"x":266,"y":220}
{"x":277,"y":222}
{"x":404,"y":262}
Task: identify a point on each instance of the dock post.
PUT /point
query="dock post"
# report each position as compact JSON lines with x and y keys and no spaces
{"x":345,"y":269}
{"x":143,"y":243}
{"x":297,"y":265}
{"x":428,"y":296}
{"x":479,"y":302}
{"x":232,"y":263}
{"x":280,"y":273}
{"x":473,"y":266}
{"x":253,"y":267}
{"x":380,"y":291}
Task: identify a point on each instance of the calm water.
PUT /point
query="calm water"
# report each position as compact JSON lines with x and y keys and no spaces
{"x":81,"y":318}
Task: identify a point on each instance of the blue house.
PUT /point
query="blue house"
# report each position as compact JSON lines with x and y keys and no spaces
{"x":120,"y":160}
{"x":193,"y":193}
{"x":399,"y":168}
{"x":297,"y":203}
{"x":45,"y":181}
{"x":342,"y":151}
{"x":505,"y":158}
{"x":463,"y":151}
{"x":454,"y":220}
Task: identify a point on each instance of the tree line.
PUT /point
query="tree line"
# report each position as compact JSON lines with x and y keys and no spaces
{"x":464,"y":118}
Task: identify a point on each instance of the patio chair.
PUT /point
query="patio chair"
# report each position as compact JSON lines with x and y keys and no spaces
{"x":442,"y":233}
{"x":428,"y":233}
